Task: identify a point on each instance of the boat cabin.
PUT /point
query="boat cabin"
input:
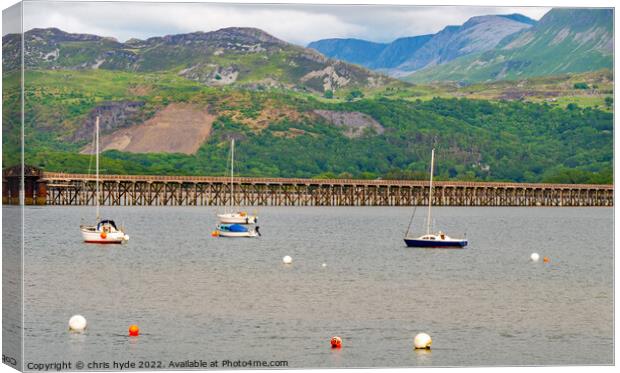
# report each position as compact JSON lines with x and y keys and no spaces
{"x":107,"y":226}
{"x":434,"y":237}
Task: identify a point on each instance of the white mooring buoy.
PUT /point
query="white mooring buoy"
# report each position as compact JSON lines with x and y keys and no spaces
{"x":534,"y":257}
{"x":287,"y":260}
{"x":324,"y":265}
{"x":77,"y":323}
{"x":422,"y":340}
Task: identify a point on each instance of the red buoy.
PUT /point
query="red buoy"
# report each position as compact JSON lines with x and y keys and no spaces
{"x":134,"y":331}
{"x":546,"y":259}
{"x":336,"y":342}
{"x":103,"y":235}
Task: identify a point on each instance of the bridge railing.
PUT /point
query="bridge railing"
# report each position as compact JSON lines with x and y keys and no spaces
{"x":57,"y":176}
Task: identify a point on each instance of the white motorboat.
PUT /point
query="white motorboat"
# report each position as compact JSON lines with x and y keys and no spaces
{"x":236,"y":230}
{"x":104,"y":231}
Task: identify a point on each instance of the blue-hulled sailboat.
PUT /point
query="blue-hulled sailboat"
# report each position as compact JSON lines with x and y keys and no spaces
{"x":439,"y":239}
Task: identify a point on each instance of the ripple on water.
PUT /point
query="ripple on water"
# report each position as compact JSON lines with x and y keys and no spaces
{"x":195,"y":296}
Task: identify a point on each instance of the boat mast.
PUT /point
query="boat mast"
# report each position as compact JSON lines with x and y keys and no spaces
{"x":97,"y":164}
{"x":430,"y":195}
{"x":232,"y":171}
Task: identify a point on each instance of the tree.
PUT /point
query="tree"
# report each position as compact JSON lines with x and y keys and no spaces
{"x":609,"y":101}
{"x":356,"y":93}
{"x":329,"y":94}
{"x":581,"y":85}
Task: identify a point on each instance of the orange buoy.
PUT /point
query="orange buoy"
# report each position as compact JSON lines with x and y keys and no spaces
{"x":336,"y":342}
{"x":546,"y":259}
{"x":134,"y":331}
{"x":104,"y":235}
{"x":215,"y":234}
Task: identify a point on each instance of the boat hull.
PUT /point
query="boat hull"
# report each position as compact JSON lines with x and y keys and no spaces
{"x":90,"y":236}
{"x":447,"y":244}
{"x":237,"y":234}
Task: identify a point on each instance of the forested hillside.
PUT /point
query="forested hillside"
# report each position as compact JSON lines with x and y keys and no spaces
{"x":289,"y":134}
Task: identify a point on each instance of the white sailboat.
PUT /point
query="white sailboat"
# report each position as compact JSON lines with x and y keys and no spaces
{"x":231,"y":216}
{"x":104,"y":231}
{"x":439,"y":239}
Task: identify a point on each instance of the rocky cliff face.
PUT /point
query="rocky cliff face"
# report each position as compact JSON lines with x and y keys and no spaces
{"x":399,"y":51}
{"x":360,"y":52}
{"x":478,"y":34}
{"x":112,"y":116}
{"x":42,"y":47}
{"x":355,"y":124}
{"x":581,"y":28}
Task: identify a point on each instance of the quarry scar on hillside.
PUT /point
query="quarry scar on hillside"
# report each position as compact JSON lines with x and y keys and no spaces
{"x":178,"y":128}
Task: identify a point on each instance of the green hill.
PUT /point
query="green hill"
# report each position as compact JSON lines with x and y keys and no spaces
{"x":236,"y":56}
{"x":589,"y":89}
{"x":285,"y":133}
{"x":563,"y":41}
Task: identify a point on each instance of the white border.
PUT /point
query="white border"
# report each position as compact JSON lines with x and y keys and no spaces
{"x":565,"y":3}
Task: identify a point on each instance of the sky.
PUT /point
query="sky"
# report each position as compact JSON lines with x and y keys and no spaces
{"x":299,"y":24}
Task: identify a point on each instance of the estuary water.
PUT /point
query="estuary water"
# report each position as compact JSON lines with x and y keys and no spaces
{"x":195,"y":297}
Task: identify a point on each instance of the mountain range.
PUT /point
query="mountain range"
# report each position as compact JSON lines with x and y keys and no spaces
{"x":171,"y":105}
{"x":413,"y":53}
{"x":490,"y":48}
{"x":231,"y":56}
{"x":563,"y":41}
{"x":484,"y":48}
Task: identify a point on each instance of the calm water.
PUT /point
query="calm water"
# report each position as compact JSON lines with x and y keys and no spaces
{"x":197,"y":297}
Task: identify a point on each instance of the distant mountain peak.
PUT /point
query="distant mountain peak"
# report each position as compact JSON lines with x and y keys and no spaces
{"x":519,"y":18}
{"x":564,"y":40}
{"x":60,"y":35}
{"x":239,"y":34}
{"x":494,"y":17}
{"x":478,"y":34}
{"x":407,"y":54}
{"x":578,"y":16}
{"x":251,"y":33}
